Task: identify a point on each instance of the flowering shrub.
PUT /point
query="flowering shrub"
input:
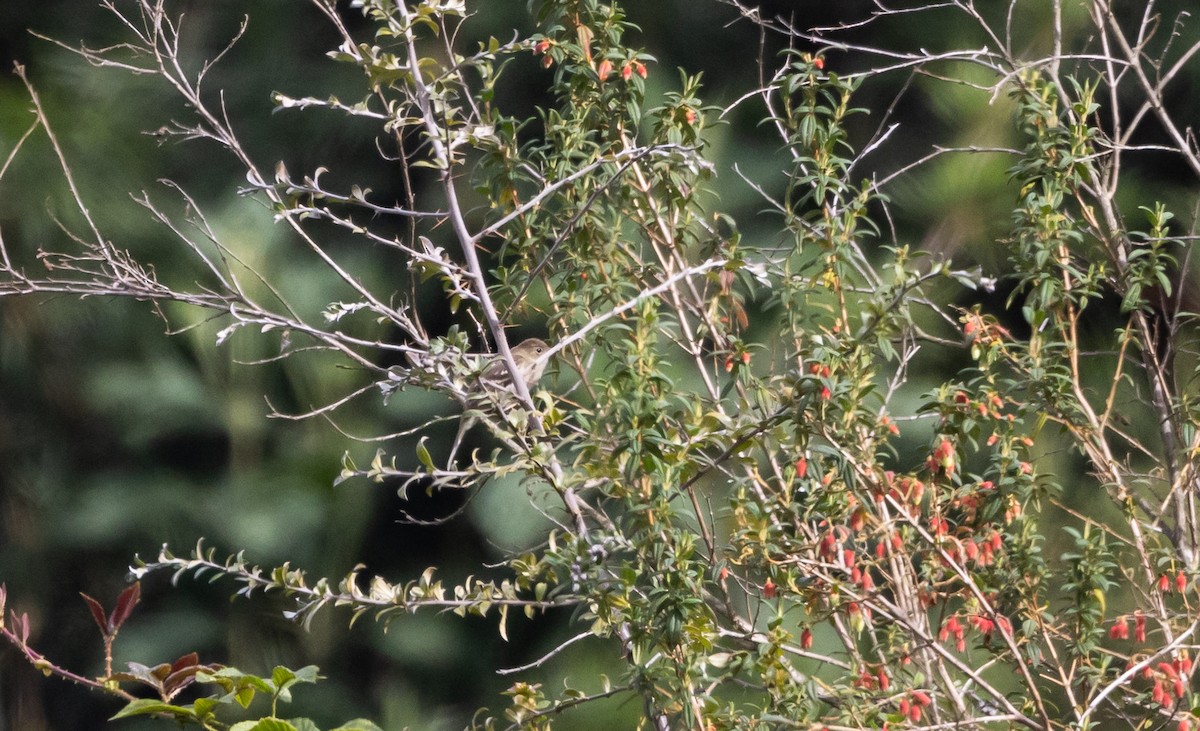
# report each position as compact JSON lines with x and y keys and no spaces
{"x":772,"y":497}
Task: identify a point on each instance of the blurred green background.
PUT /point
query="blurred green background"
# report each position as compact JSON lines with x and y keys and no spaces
{"x":116,"y":439}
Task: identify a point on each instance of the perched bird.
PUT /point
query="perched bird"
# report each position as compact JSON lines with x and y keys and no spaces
{"x":495,"y":384}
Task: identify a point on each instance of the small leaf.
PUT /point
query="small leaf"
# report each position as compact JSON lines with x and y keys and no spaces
{"x":264,"y":724}
{"x":125,"y":604}
{"x":151,"y":706}
{"x":423,"y":455}
{"x":282,"y":677}
{"x":97,"y":613}
{"x":358,"y":724}
{"x":244,"y":697}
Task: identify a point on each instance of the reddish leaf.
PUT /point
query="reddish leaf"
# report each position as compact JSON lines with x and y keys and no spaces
{"x":125,"y":604}
{"x":139,"y":673}
{"x":180,"y":679}
{"x":97,"y":614}
{"x":183,"y":674}
{"x":20,"y":625}
{"x":185,"y":661}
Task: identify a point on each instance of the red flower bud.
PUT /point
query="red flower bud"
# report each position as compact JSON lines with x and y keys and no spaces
{"x":970,"y":550}
{"x":1119,"y":630}
{"x":858,"y":519}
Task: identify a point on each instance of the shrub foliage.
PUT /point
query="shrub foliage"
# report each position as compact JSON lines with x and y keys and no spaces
{"x":802,"y":477}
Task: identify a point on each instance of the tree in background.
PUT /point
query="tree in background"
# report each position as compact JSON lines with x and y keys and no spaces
{"x":792,"y":470}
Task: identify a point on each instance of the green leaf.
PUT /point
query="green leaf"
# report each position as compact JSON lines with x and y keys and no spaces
{"x":264,"y":724}
{"x":358,"y":724}
{"x":152,"y":706}
{"x":423,"y":455}
{"x":244,"y":697}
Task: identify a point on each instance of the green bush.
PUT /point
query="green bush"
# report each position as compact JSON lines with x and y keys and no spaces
{"x":792,"y":468}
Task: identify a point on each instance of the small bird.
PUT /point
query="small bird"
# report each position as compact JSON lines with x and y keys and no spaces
{"x":495,"y":383}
